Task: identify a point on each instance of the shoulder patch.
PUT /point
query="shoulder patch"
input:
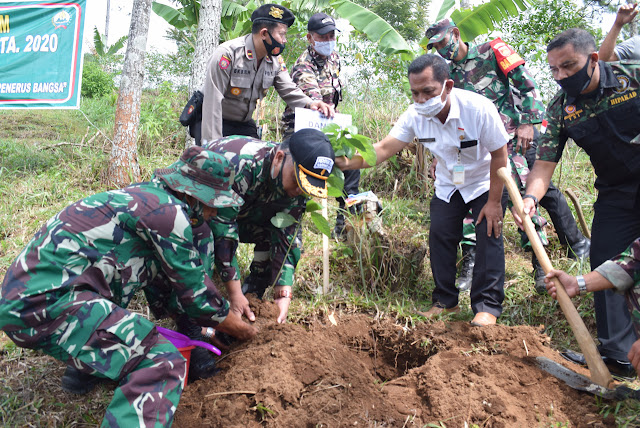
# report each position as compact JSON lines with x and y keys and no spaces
{"x":623,"y":82}
{"x":283,"y":65}
{"x":224,"y":62}
{"x":507,"y":58}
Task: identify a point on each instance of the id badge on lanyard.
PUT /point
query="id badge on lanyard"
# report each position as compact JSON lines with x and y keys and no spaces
{"x":458,"y":171}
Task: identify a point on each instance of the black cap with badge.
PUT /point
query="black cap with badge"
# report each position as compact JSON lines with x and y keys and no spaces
{"x":321,"y":23}
{"x":274,"y":13}
{"x":313,"y":159}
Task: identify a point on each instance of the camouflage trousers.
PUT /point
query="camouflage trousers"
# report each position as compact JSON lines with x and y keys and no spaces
{"x":102,"y":339}
{"x":519,"y":173}
{"x":266,"y":258}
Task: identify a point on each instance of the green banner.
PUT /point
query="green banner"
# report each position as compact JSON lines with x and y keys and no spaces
{"x":41,"y":53}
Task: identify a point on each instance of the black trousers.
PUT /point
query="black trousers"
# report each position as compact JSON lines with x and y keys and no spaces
{"x":556,"y":205}
{"x":487,"y":286}
{"x":230,"y":127}
{"x":612,"y":231}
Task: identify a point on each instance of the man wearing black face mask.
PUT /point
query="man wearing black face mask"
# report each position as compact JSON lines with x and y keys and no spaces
{"x":598,"y":107}
{"x":241,"y":71}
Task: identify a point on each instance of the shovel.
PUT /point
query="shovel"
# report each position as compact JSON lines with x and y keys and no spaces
{"x":599,"y":373}
{"x":583,"y":383}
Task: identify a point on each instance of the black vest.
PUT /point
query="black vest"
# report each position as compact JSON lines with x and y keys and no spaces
{"x":609,"y":132}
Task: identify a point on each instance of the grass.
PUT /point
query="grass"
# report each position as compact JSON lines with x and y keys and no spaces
{"x":50,"y":159}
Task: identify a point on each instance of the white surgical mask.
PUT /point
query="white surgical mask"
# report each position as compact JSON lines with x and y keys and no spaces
{"x":432,"y":106}
{"x":325,"y":48}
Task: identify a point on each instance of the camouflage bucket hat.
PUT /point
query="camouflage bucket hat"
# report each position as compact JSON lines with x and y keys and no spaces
{"x":203,"y":174}
{"x":437,"y":31}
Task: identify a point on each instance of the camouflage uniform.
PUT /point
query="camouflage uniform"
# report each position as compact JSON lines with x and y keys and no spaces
{"x":67,"y":292}
{"x":605,"y":125}
{"x":479,"y":72}
{"x":623,"y":271}
{"x":277,"y":251}
{"x":319,"y":78}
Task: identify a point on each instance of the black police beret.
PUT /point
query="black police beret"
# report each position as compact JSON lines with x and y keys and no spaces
{"x":274,"y":13}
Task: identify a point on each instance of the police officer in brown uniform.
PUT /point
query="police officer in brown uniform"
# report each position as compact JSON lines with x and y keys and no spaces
{"x":241,"y":71}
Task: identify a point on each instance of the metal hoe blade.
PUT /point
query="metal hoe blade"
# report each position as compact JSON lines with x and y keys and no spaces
{"x":583,"y":383}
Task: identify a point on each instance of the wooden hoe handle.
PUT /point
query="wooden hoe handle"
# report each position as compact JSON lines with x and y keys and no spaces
{"x":599,"y":372}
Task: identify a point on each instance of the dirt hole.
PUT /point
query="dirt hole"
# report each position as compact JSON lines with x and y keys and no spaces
{"x":371,"y":372}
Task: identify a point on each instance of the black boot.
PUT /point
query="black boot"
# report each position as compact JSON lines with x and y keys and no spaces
{"x":339,"y":232}
{"x":538,"y":275}
{"x":256,"y":284}
{"x":202,"y":364}
{"x":580,"y":249}
{"x":466,"y":272}
{"x":77,"y":382}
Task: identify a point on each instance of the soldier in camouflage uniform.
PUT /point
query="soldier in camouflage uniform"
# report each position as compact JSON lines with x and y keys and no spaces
{"x":271,"y":178}
{"x":598,"y":109}
{"x":67,"y":292}
{"x":496,"y":71}
{"x":317,"y":73}
{"x":620,"y":274}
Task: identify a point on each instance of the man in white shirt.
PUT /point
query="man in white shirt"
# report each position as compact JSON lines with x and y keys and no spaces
{"x":464,"y":132}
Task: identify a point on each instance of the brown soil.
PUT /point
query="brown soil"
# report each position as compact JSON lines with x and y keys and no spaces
{"x":372,"y":372}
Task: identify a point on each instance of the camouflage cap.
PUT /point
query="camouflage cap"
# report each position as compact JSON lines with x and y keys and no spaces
{"x":437,"y":31}
{"x":313,"y":158}
{"x":274,"y":13}
{"x":203,"y":174}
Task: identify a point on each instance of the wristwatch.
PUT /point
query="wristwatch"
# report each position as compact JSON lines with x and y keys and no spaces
{"x":582,"y":285}
{"x":284,"y":292}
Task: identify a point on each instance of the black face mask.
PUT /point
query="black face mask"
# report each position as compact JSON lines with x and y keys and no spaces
{"x":274,"y":48}
{"x":575,"y":84}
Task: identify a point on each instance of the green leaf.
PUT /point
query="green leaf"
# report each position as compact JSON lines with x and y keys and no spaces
{"x":174,"y":17}
{"x":336,"y":183}
{"x":369,"y":156}
{"x":321,"y":223}
{"x":482,"y":19}
{"x":282,"y":220}
{"x":376,"y":29}
{"x":313,"y":206}
{"x":447,"y":5}
{"x":334,"y":192}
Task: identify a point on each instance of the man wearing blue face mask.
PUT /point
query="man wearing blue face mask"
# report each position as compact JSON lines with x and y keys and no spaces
{"x":598,"y":108}
{"x":317,"y":73}
{"x":464,"y":132}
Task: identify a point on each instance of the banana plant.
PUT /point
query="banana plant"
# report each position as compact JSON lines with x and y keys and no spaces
{"x":480,"y":19}
{"x":375,"y":28}
{"x":102,"y":50}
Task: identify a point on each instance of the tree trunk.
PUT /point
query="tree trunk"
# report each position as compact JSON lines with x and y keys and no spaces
{"x":633,"y":25}
{"x":123,"y":165}
{"x":106,"y":25}
{"x":206,"y":43}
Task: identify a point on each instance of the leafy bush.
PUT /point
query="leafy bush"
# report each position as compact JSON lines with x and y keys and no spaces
{"x":159,"y":114}
{"x":96,"y":82}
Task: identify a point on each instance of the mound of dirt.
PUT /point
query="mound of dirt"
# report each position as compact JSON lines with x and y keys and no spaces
{"x":366,"y":372}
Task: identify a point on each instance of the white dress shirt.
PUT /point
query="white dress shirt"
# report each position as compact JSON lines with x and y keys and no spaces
{"x":471,"y":131}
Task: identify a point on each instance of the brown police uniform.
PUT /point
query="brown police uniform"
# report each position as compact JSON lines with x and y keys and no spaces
{"x":235,"y":82}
